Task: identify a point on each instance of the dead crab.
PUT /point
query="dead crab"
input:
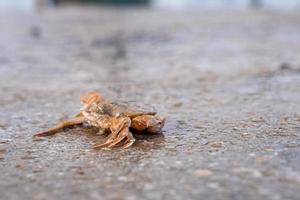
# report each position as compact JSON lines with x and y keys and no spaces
{"x":114,"y":118}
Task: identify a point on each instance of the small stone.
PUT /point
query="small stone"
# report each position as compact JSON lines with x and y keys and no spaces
{"x":285,"y":119}
{"x":252,"y":154}
{"x":3,"y":126}
{"x":2,"y":151}
{"x":123,"y":178}
{"x":38,"y":139}
{"x":216,"y":144}
{"x":27,"y":157}
{"x":258,"y":119}
{"x":261,"y":159}
{"x":203,"y":173}
{"x":5,"y":141}
{"x":80,"y":172}
{"x":269,"y":149}
{"x":18,"y":166}
{"x":177,"y":104}
{"x":250,"y":171}
{"x":236,"y":129}
{"x":2,"y":154}
{"x":35,"y":171}
{"x":214,"y":186}
{"x":199,"y":126}
{"x":245,"y":134}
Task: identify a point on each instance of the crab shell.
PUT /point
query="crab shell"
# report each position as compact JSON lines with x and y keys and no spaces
{"x":141,"y":120}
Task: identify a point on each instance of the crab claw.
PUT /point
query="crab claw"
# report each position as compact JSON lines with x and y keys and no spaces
{"x":149,"y":123}
{"x":156,"y":124}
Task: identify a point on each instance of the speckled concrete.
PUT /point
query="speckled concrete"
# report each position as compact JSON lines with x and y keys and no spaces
{"x":227,"y":81}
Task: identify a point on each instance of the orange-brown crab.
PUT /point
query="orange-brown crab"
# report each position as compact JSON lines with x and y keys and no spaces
{"x":110,"y":117}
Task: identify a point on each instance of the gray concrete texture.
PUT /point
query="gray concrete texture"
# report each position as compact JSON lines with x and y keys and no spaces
{"x":227,"y":81}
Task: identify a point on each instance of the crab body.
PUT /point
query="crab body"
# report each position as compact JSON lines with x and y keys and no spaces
{"x":114,"y":118}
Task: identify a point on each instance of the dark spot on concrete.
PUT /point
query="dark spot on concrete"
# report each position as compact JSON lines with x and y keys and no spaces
{"x":36,"y":32}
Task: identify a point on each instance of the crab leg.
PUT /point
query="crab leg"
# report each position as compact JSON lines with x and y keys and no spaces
{"x":108,"y":141}
{"x":79,"y":114}
{"x":118,"y":132}
{"x":122,"y":135}
{"x":129,"y":141}
{"x":60,"y":126}
{"x":115,"y":129}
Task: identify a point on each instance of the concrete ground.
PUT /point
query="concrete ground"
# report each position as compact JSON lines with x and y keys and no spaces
{"x":227,"y":81}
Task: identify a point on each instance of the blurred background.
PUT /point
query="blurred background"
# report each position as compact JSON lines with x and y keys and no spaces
{"x":27,"y":5}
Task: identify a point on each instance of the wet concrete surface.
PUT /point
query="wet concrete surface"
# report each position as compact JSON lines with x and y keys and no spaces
{"x":227,"y":81}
